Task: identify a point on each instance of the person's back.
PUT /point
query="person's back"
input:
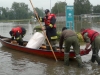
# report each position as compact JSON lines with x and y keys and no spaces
{"x":68,"y":32}
{"x":90,"y":33}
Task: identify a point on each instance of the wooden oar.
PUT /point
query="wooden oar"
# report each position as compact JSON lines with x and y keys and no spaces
{"x":43,"y":31}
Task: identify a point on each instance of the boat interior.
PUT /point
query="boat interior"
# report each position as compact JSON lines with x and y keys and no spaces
{"x":24,"y":44}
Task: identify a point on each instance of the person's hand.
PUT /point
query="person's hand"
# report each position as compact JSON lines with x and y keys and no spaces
{"x":87,"y":46}
{"x":85,"y":49}
{"x":36,"y":15}
{"x":60,"y":50}
{"x":43,"y":28}
{"x":12,"y":38}
{"x":90,"y":48}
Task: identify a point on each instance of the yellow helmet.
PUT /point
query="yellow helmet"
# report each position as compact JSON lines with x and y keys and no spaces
{"x":80,"y":37}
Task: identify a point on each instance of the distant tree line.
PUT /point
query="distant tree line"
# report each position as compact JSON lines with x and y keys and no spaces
{"x":18,"y":11}
{"x":85,"y":7}
{"x":21,"y":10}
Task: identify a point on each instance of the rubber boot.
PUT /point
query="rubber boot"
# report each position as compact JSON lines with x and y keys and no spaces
{"x":66,"y":59}
{"x":98,"y":63}
{"x":93,"y":59}
{"x":98,"y":60}
{"x":20,"y":42}
{"x":54,"y":48}
{"x":79,"y":60}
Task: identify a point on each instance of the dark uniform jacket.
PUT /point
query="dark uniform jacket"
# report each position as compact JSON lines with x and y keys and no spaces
{"x":50,"y":31}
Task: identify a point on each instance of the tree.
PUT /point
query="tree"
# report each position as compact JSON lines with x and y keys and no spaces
{"x":17,"y":11}
{"x":82,"y":7}
{"x":20,"y":10}
{"x":11,"y":15}
{"x":40,"y":11}
{"x":30,"y":13}
{"x":59,"y":7}
{"x":4,"y":13}
{"x":96,"y":9}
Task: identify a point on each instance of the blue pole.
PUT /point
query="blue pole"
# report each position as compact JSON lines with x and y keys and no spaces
{"x":70,"y":17}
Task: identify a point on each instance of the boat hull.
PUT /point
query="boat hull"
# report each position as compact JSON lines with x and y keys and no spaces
{"x":40,"y":52}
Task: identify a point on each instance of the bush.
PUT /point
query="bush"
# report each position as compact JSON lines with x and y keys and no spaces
{"x":58,"y":35}
{"x":38,"y":29}
{"x":80,"y":37}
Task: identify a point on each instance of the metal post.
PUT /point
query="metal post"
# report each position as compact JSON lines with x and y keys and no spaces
{"x":81,"y":21}
{"x":50,"y":5}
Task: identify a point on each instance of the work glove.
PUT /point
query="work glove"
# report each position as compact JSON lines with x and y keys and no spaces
{"x":43,"y":28}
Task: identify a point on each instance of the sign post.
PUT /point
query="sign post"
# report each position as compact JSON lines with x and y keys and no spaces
{"x":70,"y":17}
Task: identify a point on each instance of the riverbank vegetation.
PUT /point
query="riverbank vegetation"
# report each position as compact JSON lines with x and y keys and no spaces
{"x":38,"y":29}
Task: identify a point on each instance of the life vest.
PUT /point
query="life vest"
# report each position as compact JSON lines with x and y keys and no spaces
{"x":91,"y":34}
{"x":17,"y":29}
{"x":47,"y":20}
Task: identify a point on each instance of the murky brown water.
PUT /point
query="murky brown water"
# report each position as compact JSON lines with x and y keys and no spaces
{"x":18,"y":63}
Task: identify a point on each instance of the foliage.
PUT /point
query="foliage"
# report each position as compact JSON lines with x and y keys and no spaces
{"x":80,"y":37}
{"x":96,"y":9}
{"x":21,"y":11}
{"x":3,"y":13}
{"x":82,"y":7}
{"x":18,"y":11}
{"x":40,"y":12}
{"x":38,"y":29}
{"x":58,"y":34}
{"x":59,"y":7}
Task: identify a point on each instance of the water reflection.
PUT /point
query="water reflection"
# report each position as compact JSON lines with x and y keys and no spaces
{"x":19,"y":63}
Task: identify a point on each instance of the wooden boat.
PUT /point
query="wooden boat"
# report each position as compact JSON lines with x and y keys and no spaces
{"x":41,"y":52}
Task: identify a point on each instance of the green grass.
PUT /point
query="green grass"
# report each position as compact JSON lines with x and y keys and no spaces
{"x":14,"y":20}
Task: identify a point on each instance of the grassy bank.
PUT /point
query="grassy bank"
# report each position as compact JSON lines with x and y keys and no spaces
{"x":24,"y":20}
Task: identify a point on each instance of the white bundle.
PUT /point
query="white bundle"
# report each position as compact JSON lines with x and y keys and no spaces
{"x":36,"y":41}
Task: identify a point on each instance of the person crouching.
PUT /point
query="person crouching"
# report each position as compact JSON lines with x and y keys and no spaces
{"x":17,"y":33}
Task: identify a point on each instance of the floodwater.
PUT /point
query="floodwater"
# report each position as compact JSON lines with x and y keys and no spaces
{"x":14,"y":62}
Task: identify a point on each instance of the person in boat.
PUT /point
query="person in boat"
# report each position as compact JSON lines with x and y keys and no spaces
{"x":50,"y":27}
{"x":17,"y":33}
{"x":70,"y":38}
{"x":92,"y":37}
